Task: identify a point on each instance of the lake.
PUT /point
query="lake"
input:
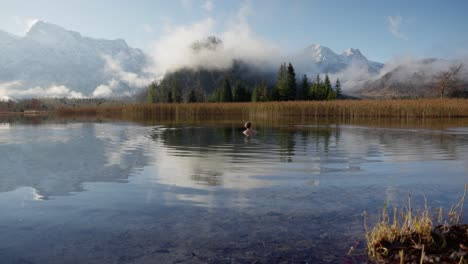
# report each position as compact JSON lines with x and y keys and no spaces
{"x":94,"y":191}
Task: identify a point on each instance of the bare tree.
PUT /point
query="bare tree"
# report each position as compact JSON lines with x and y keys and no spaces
{"x":446,"y":80}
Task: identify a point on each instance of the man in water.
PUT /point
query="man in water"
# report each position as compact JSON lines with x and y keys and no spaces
{"x":248,"y":130}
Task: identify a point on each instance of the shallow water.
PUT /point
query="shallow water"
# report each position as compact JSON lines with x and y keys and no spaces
{"x":92,"y":192}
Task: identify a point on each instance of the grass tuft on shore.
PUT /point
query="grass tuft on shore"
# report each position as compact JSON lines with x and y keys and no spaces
{"x":406,"y":233}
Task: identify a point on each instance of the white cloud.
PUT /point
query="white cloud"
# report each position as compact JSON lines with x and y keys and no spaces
{"x":114,"y":67}
{"x":394,"y":25}
{"x":174,"y":49}
{"x":105,"y":90}
{"x":353,"y":76}
{"x":208,"y":5}
{"x":121,"y":80}
{"x":16,"y":89}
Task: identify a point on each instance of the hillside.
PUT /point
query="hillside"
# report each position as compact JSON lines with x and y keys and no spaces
{"x":51,"y":56}
{"x":415,"y":80}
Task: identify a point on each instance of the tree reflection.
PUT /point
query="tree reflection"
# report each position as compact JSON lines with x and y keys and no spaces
{"x":286,"y":143}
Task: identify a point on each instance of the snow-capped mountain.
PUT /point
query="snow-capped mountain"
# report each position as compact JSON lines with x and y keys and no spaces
{"x":50,"y":61}
{"x":51,"y":56}
{"x":320,"y":59}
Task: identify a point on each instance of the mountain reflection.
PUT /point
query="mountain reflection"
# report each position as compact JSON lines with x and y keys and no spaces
{"x":56,"y":160}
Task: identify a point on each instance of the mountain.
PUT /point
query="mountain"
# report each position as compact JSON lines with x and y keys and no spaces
{"x":51,"y":56}
{"x":318,"y":59}
{"x":50,"y":61}
{"x":412,"y":79}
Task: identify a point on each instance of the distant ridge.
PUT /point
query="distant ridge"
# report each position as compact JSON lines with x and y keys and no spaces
{"x":50,"y":55}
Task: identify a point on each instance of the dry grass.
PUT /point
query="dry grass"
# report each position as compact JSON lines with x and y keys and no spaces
{"x":406,"y":229}
{"x":423,"y":108}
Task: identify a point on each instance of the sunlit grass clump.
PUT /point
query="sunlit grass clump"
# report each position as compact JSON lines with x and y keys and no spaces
{"x":408,"y":236}
{"x":404,"y":227}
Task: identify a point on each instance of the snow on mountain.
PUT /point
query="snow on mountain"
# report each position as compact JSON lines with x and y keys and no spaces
{"x":51,"y":61}
{"x":51,"y":56}
{"x":320,"y":59}
{"x":322,"y":54}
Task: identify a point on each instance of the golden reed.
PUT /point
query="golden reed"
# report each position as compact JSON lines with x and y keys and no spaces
{"x":420,"y":108}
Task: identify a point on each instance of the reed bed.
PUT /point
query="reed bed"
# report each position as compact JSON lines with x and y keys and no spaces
{"x":402,"y":109}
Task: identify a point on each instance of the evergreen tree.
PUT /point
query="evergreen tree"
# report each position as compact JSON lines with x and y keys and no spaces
{"x":176,"y":92}
{"x":327,"y":88}
{"x":338,"y":89}
{"x":264,"y":93}
{"x":169,"y":97}
{"x":240,"y":93}
{"x":315,"y":89}
{"x":256,"y":94}
{"x":331,"y":95}
{"x":226,"y":91}
{"x":151,"y":96}
{"x":282,"y":92}
{"x":192,"y":97}
{"x":291,"y":83}
{"x":215,"y":96}
{"x":248,"y":95}
{"x":274,"y":94}
{"x":304,"y":93}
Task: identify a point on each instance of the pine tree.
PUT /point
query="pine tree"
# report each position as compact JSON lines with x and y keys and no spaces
{"x":327,"y":88}
{"x":274,"y":94}
{"x":214,"y":96}
{"x":240,"y":93}
{"x":264,"y":93}
{"x":255,"y":94}
{"x":291,"y":83}
{"x":282,"y":83}
{"x":315,"y":89}
{"x":330,"y":93}
{"x":151,"y":96}
{"x":192,"y":97}
{"x":176,"y":92}
{"x":304,"y":93}
{"x":226,"y":91}
{"x":169,"y":97}
{"x":338,"y":89}
{"x":248,"y":95}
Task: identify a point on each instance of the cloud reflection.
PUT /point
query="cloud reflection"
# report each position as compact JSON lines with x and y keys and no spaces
{"x":56,"y":160}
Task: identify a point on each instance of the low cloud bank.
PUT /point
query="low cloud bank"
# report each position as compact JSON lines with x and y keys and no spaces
{"x":402,"y":69}
{"x":174,"y":50}
{"x":17,"y":90}
{"x":123,"y":83}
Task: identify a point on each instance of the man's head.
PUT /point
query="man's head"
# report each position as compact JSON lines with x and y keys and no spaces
{"x":248,"y":125}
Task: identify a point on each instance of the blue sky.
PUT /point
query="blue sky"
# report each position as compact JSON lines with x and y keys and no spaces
{"x":380,"y":29}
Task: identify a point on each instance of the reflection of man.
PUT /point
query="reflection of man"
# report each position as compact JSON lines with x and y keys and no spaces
{"x":248,"y":130}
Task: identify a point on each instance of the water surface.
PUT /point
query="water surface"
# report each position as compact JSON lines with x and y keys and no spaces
{"x":94,"y":192}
